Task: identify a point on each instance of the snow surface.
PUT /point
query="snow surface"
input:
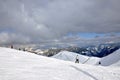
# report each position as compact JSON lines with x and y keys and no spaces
{"x":18,"y":65}
{"x":112,"y":59}
{"x":70,"y":56}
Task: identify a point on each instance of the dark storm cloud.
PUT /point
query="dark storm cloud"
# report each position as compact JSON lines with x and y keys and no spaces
{"x":50,"y":19}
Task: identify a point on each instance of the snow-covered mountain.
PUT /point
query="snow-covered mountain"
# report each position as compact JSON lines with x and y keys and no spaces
{"x":100,"y":50}
{"x":19,"y":65}
{"x":70,"y":56}
{"x":112,"y":59}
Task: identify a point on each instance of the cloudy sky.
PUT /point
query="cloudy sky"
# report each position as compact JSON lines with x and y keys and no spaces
{"x":35,"y":21}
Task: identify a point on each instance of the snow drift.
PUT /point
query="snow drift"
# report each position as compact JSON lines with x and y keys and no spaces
{"x":18,"y":65}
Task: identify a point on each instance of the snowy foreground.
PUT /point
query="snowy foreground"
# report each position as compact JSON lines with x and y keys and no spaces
{"x":18,"y":65}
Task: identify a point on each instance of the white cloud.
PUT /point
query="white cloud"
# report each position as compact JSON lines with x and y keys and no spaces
{"x":51,"y":19}
{"x":10,"y":38}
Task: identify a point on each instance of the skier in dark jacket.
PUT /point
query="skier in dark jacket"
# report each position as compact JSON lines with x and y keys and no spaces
{"x":99,"y":62}
{"x":11,"y":46}
{"x":77,"y":59}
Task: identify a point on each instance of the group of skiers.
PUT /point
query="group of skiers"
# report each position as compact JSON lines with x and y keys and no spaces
{"x":12,"y":47}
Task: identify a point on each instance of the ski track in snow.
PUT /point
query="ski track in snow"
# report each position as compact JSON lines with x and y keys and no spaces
{"x":86,"y":73}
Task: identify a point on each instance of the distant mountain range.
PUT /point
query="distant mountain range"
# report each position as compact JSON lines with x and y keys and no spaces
{"x":96,"y":51}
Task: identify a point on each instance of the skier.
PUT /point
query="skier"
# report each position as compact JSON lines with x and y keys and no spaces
{"x":19,"y":48}
{"x":77,"y":59}
{"x":11,"y":46}
{"x":99,"y":63}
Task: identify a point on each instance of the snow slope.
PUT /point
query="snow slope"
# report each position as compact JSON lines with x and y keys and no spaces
{"x":18,"y":65}
{"x":112,"y":59}
{"x":70,"y":56}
